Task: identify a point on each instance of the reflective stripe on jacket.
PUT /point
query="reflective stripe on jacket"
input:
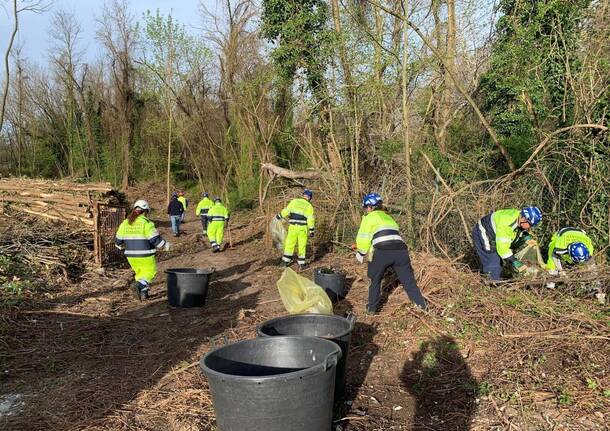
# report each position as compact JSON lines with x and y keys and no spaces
{"x":378,"y":230}
{"x":218,"y":212}
{"x":299,"y":211}
{"x":204,"y":206}
{"x":139,"y":239}
{"x":499,"y":230}
{"x":558,"y":247}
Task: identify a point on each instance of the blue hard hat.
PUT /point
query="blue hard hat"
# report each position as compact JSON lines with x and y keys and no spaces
{"x":579,"y":252}
{"x":533,"y":215}
{"x":205,"y":194}
{"x":372,"y":200}
{"x":308,"y":193}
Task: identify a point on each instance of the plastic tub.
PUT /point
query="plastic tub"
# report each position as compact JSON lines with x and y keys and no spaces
{"x":335,"y":328}
{"x":187,"y":287}
{"x":332,"y":281}
{"x":273,"y":384}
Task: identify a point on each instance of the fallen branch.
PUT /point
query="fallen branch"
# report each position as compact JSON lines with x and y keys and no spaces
{"x":287,"y":173}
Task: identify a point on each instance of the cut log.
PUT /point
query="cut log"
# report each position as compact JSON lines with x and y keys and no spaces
{"x":57,"y":216}
{"x":57,"y":200}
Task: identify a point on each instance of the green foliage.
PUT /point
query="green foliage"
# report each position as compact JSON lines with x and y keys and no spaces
{"x":591,"y":384}
{"x":484,"y":388}
{"x":524,"y":90}
{"x":390,"y":148}
{"x":565,"y":399}
{"x":171,"y":52}
{"x":299,"y":31}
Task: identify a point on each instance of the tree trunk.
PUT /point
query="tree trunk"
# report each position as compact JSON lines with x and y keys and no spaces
{"x":7,"y":64}
{"x":492,"y":133}
{"x":169,"y":157}
{"x":405,"y":127}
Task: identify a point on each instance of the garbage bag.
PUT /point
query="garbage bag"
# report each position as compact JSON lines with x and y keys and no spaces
{"x":532,"y":257}
{"x":278,"y":233}
{"x":301,"y":295}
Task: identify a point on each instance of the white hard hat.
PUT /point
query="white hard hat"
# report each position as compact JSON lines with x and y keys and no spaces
{"x":141,"y":203}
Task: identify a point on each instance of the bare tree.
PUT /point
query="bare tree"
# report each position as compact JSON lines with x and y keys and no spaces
{"x":36,"y":6}
{"x":117,"y":31}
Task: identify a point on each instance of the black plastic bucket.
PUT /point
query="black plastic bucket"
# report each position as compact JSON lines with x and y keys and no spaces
{"x":187,"y":287}
{"x":335,"y":328}
{"x":332,"y":281}
{"x":273,"y":384}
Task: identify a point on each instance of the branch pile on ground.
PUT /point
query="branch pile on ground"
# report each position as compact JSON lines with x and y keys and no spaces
{"x":44,"y":250}
{"x":56,"y":200}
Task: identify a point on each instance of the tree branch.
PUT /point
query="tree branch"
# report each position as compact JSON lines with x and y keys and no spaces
{"x":458,"y":85}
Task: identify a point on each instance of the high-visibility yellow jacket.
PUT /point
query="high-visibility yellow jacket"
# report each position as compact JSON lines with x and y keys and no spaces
{"x":499,"y":230}
{"x":183,"y":201}
{"x":218,"y":212}
{"x":203,"y":206}
{"x":558,"y":248}
{"x":299,"y":211}
{"x":139,"y":239}
{"x":378,"y":230}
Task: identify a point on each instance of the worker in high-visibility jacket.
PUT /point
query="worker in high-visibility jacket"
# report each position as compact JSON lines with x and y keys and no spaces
{"x":185,"y":203}
{"x":140,"y":239}
{"x":569,"y":246}
{"x":202,"y":209}
{"x":496,"y":234}
{"x":218,"y":216}
{"x":301,"y":224}
{"x":380,"y":234}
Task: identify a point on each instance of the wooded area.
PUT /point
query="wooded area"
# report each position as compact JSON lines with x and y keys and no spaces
{"x":448,"y":109}
{"x":436,"y":104}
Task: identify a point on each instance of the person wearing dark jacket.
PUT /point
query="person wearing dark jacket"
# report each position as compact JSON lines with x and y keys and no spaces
{"x":175,"y":209}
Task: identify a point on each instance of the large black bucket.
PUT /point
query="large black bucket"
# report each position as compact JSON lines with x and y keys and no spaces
{"x":335,"y":328}
{"x":187,"y":287}
{"x":273,"y":384}
{"x":332,"y":281}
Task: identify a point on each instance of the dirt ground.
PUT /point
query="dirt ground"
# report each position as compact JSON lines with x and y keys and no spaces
{"x":91,"y":357}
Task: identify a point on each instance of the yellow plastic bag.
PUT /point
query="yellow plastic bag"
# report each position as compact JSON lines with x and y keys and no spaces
{"x":301,"y":295}
{"x":278,"y":233}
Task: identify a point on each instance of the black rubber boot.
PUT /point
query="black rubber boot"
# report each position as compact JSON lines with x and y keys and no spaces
{"x":144,"y":292}
{"x":136,"y":288}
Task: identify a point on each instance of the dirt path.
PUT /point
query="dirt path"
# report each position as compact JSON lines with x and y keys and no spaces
{"x":90,"y":357}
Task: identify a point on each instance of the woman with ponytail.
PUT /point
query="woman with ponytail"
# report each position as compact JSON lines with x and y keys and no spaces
{"x":140,"y":239}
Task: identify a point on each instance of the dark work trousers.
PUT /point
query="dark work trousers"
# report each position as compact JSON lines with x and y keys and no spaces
{"x":491,"y":262}
{"x":401,"y":262}
{"x":204,"y":221}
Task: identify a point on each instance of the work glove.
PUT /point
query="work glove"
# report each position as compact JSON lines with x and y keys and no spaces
{"x":532,"y":242}
{"x":167,"y":246}
{"x":359,"y":257}
{"x":550,"y":285}
{"x":519,"y":266}
{"x":120,"y":247}
{"x":311,"y":233}
{"x":277,"y":216}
